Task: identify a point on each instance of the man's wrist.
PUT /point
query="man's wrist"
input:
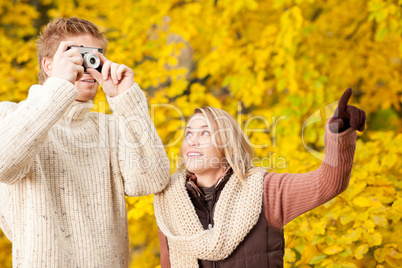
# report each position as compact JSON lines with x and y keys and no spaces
{"x":119,"y":92}
{"x":127,"y":102}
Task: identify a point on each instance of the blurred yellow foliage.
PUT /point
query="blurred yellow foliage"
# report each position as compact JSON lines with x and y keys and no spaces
{"x":271,"y":64}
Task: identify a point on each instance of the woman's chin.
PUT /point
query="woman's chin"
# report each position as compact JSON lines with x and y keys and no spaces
{"x":195,"y":170}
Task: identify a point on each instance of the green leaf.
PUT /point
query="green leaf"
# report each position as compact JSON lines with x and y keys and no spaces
{"x":318,"y":258}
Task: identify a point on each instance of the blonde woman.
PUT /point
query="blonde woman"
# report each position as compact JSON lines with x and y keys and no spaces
{"x":220,"y":211}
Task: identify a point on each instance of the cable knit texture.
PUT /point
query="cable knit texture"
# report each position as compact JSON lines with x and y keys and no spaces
{"x":237,"y":211}
{"x":64,"y":173}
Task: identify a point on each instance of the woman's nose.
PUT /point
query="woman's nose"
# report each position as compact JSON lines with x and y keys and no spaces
{"x":193,"y":141}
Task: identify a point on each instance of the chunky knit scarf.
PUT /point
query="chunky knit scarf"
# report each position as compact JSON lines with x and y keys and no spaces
{"x":237,"y":211}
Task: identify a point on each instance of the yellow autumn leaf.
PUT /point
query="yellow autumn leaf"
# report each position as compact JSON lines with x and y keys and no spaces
{"x":212,"y":101}
{"x":361,"y":250}
{"x":333,"y":250}
{"x":397,"y":205}
{"x":369,"y":225}
{"x":328,"y":263}
{"x":362,"y":201}
{"x":318,"y":258}
{"x":347,"y":265}
{"x":374,"y":239}
{"x":290,"y":255}
{"x":353,"y":235}
{"x":380,"y":254}
{"x":172,"y":61}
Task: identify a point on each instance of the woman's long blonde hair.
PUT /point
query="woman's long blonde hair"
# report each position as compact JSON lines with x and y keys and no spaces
{"x":233,"y":146}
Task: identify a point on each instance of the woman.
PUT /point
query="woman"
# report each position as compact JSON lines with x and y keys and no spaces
{"x":220,"y":211}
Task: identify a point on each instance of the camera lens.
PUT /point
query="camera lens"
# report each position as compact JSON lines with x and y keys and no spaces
{"x":91,"y":60}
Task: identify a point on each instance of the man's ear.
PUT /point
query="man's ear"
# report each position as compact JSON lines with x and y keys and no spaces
{"x":47,"y":64}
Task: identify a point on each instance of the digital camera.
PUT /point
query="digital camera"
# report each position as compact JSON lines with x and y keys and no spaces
{"x":90,"y":59}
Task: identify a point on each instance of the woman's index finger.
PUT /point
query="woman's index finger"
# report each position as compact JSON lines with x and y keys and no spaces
{"x":343,"y":102}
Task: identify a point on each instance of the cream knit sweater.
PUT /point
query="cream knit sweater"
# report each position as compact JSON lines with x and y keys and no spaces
{"x":64,"y":173}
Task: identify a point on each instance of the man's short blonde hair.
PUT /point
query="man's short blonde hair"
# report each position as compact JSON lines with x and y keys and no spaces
{"x":57,"y":30}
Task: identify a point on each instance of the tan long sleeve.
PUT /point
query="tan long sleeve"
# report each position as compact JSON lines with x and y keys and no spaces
{"x":24,"y":126}
{"x":287,"y":195}
{"x":62,"y":194}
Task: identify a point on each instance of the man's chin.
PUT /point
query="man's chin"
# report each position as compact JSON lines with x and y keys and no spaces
{"x":85,"y":96}
{"x":86,"y":93}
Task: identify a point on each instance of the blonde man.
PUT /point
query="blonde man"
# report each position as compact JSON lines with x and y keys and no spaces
{"x":64,"y":172}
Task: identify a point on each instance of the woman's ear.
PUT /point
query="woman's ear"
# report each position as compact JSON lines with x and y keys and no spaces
{"x":47,"y":64}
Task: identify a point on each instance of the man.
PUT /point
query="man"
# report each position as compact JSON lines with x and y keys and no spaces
{"x":64,"y":172}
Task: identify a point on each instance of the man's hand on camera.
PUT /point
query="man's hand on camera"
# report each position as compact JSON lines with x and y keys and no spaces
{"x":67,"y":64}
{"x":115,"y":78}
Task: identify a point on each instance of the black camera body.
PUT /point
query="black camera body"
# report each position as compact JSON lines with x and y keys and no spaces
{"x":90,"y":59}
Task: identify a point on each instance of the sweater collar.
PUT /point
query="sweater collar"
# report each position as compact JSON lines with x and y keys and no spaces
{"x":192,"y":182}
{"x":78,"y":111}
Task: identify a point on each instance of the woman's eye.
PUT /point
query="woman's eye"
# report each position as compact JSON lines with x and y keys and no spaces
{"x":187,"y":134}
{"x":204,"y":133}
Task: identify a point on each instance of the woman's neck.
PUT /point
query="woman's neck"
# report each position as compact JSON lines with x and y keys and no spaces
{"x":207,"y":179}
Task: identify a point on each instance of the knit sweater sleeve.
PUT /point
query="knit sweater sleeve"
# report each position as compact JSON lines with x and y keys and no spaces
{"x":143,"y":162}
{"x":287,"y":196}
{"x":24,"y":126}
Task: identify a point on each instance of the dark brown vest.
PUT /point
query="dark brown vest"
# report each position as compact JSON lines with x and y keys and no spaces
{"x":262,"y":247}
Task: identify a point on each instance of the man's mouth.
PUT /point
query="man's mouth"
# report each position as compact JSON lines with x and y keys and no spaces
{"x":88,"y":81}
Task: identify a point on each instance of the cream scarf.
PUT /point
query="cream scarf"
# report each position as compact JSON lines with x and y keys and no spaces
{"x":237,"y":211}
